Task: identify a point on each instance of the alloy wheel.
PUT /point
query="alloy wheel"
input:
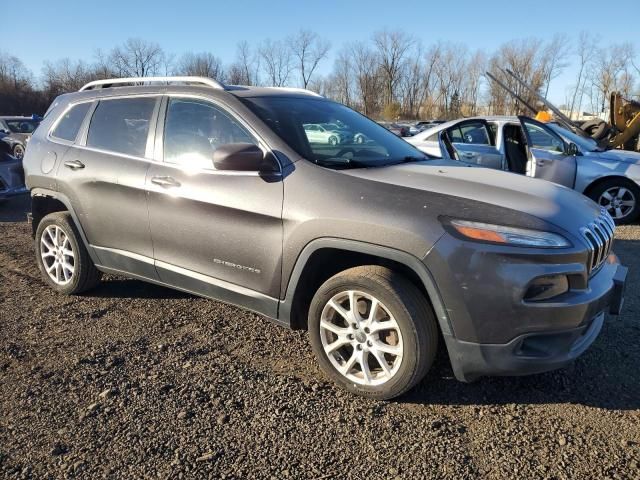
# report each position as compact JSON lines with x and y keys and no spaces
{"x":619,"y":201}
{"x":57,"y":254}
{"x":18,"y":152}
{"x":361,"y":338}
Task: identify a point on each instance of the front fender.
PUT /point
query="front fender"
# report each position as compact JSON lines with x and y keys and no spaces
{"x":410,"y":261}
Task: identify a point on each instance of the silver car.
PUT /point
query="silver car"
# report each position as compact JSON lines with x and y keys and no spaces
{"x":547,"y":151}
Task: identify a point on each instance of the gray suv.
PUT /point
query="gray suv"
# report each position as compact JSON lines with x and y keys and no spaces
{"x":380,"y":252}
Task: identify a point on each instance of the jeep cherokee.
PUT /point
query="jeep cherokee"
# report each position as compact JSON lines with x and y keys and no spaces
{"x":376,"y":249}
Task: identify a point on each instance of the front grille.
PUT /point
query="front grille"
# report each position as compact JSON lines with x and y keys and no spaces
{"x":599,"y":236}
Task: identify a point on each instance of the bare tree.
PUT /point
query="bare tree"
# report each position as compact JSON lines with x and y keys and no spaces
{"x":365,"y":69}
{"x":554,"y":58}
{"x":136,"y":58}
{"x":245,"y":69}
{"x":276,"y":57}
{"x":308,"y":49}
{"x":585,"y":51}
{"x":66,"y":75}
{"x":392,"y":49}
{"x":609,"y":66}
{"x":203,"y":64}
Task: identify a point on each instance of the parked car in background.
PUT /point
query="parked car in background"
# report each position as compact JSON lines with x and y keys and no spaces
{"x":423,"y":125}
{"x":547,"y":151}
{"x":328,"y":133}
{"x":17,"y":132}
{"x":398,"y":130}
{"x":376,"y":250}
{"x":11,"y":172}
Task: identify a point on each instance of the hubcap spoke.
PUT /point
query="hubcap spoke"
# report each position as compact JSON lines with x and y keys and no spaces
{"x":57,"y":255}
{"x":352,"y":339}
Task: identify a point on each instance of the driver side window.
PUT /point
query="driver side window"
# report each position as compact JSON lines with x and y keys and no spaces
{"x":194,"y":129}
{"x":544,"y":140}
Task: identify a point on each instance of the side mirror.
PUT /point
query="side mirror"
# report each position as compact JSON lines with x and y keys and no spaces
{"x":572,"y":149}
{"x":238,"y":156}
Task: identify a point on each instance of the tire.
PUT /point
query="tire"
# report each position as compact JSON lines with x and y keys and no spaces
{"x":333,"y":140}
{"x":82,"y":275}
{"x":18,"y":151}
{"x":622,"y":190}
{"x":597,"y":129}
{"x":412,"y":332}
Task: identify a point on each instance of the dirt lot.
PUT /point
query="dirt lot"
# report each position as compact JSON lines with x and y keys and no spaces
{"x":134,"y":380}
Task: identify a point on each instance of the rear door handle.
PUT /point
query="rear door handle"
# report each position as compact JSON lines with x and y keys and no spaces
{"x":468,"y":154}
{"x":74,"y":164}
{"x":166,"y":182}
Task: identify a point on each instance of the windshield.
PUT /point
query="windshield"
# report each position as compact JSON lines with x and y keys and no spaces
{"x":331,"y":134}
{"x":22,"y":126}
{"x":585,"y":144}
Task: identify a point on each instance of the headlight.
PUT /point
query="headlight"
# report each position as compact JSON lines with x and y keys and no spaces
{"x":521,"y":237}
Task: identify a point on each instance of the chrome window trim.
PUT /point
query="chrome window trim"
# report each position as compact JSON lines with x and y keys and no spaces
{"x":61,"y":141}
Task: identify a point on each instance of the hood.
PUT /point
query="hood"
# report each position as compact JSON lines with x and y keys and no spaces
{"x":617,"y":156}
{"x":561,"y":206}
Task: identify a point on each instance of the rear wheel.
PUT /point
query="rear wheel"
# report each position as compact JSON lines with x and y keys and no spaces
{"x":18,"y":151}
{"x":372,"y":331}
{"x":620,"y":197}
{"x":62,"y":258}
{"x":333,"y":140}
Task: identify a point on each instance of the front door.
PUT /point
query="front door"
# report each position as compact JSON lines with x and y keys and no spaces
{"x":216,"y":233}
{"x":472,"y":141}
{"x":548,"y":156}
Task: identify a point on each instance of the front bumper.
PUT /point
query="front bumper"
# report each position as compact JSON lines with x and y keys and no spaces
{"x":545,"y":350}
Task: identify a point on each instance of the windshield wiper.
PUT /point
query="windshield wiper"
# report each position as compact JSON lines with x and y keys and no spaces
{"x":340,"y":162}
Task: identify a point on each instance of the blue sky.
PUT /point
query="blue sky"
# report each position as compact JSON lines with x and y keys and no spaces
{"x":49,"y":30}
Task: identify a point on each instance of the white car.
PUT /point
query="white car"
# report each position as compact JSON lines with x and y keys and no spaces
{"x":327,"y":133}
{"x":547,"y":151}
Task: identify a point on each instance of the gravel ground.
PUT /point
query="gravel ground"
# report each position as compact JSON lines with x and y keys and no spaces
{"x":134,"y":380}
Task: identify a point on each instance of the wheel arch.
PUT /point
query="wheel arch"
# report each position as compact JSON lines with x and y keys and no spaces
{"x":324,"y":257}
{"x":44,"y":202}
{"x":600,"y":180}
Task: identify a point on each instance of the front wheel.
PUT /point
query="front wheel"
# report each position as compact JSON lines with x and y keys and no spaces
{"x":333,"y":140}
{"x":621,"y":198}
{"x":372,"y":331}
{"x":62,"y":257}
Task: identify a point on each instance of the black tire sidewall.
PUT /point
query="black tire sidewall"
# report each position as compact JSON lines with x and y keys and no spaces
{"x":406,"y":374}
{"x":62,"y":221}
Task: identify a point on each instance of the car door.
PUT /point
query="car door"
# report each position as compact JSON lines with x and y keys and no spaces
{"x":216,"y":233}
{"x":548,"y":156}
{"x":472,"y":141}
{"x":103,"y":174}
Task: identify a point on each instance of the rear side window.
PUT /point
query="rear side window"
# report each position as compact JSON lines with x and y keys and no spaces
{"x":121,"y":125}
{"x":69,"y":124}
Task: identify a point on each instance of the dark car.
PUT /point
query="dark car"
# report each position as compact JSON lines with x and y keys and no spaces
{"x":17,"y":132}
{"x":375,"y":249}
{"x":11,"y":173}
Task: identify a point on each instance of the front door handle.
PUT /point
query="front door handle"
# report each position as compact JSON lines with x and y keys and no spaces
{"x":74,"y":164}
{"x":468,"y":154}
{"x":165,"y":182}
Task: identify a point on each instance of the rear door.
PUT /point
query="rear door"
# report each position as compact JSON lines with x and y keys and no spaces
{"x":103,"y":174}
{"x":547,"y":152}
{"x":472,"y":141}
